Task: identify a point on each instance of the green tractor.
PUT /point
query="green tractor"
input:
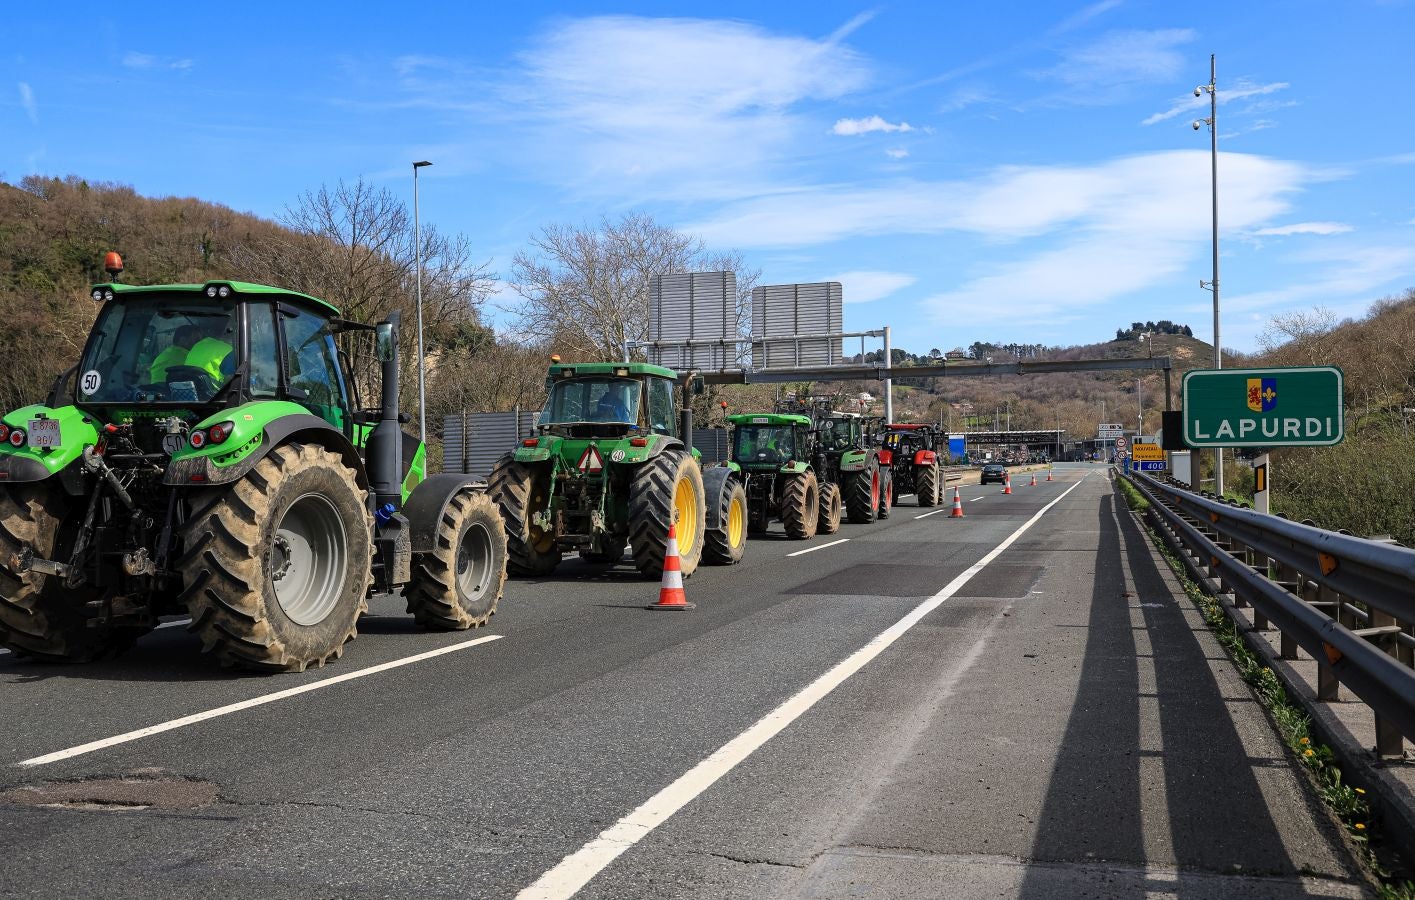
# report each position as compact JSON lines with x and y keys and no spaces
{"x":847,"y":455}
{"x":212,"y":459}
{"x":612,"y":466}
{"x":773,"y":453}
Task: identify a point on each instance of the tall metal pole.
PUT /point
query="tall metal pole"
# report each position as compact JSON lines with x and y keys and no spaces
{"x":422,"y":356}
{"x":1212,"y":121}
{"x":888,"y":382}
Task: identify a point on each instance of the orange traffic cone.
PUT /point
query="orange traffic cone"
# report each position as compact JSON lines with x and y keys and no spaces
{"x":1049,"y":478}
{"x":1007,"y":483}
{"x":957,"y":505}
{"x":670,"y":592}
{"x":1034,"y":480}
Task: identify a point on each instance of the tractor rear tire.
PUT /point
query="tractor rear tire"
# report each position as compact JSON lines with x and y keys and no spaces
{"x":723,"y":546}
{"x":39,"y":616}
{"x":296,"y":525}
{"x":862,"y":493}
{"x":667,"y":490}
{"x":456,"y":584}
{"x":800,"y":505}
{"x":926,"y":485}
{"x":521,"y":491}
{"x":829,"y":520}
{"x":886,"y":497}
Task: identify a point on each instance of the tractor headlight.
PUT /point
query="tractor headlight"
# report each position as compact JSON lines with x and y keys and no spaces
{"x":211,"y":291}
{"x":223,"y":291}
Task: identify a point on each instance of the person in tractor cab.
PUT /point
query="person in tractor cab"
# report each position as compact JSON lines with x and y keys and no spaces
{"x":175,"y":355}
{"x":611,"y":407}
{"x":212,"y":353}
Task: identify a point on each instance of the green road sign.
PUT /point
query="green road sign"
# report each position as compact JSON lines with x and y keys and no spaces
{"x":1295,"y":407}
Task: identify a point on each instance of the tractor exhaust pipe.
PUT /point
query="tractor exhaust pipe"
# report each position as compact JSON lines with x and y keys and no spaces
{"x":685,"y":427}
{"x":385,"y":445}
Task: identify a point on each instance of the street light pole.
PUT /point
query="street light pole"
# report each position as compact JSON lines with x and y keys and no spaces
{"x":422,"y":356}
{"x":1212,"y":122}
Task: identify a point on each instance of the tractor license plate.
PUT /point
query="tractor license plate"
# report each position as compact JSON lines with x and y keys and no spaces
{"x":44,"y":433}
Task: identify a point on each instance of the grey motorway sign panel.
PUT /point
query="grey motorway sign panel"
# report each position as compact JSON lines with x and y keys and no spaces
{"x":1276,"y":407}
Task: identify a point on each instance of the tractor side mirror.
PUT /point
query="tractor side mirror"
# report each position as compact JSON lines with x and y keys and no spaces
{"x":386,"y":341}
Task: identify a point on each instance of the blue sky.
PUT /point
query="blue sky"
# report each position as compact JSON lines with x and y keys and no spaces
{"x":1011,"y":172}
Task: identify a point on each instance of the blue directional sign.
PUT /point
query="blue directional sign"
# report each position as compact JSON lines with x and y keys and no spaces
{"x":1151,"y":465}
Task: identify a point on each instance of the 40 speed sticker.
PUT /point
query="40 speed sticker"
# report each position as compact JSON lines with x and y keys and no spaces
{"x":90,"y":382}
{"x":617,"y":456}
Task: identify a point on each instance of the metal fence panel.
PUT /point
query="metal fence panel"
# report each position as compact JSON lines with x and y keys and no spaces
{"x":713,"y":443}
{"x":454,"y":448}
{"x":485,"y":438}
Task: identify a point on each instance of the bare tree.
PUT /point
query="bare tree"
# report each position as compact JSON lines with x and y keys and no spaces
{"x":587,"y":289}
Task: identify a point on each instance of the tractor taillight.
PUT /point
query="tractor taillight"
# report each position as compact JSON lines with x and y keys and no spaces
{"x":198,"y":438}
{"x":17,"y":437}
{"x":4,"y":432}
{"x":638,"y":442}
{"x":531,"y":442}
{"x":217,"y":434}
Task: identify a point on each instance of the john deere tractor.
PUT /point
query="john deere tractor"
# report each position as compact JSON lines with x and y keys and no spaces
{"x":211,"y":459}
{"x":774,"y":453}
{"x":911,"y":454}
{"x":611,"y":466}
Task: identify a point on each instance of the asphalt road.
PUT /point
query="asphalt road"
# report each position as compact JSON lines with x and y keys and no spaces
{"x":922,"y":707}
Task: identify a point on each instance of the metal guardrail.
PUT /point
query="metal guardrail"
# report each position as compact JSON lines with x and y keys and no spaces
{"x":1347,"y":601}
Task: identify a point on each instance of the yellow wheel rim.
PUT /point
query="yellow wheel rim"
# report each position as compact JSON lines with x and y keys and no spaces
{"x":541,"y":541}
{"x":736,"y":522}
{"x":685,"y":508}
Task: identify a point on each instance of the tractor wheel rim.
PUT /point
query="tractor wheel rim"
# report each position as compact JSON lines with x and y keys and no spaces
{"x":309,"y":559}
{"x":736,"y":522}
{"x":541,"y":540}
{"x":874,"y":490}
{"x":474,"y":561}
{"x":685,"y":508}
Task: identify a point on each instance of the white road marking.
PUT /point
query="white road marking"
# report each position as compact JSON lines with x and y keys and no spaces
{"x":575,"y":871}
{"x":184,"y":721}
{"x":934,"y":513}
{"x":820,"y":547}
{"x":163,"y":625}
{"x":971,"y":499}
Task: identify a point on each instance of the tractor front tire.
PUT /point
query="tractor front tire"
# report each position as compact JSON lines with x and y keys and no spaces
{"x":926,"y":483}
{"x":456,"y":584}
{"x":800,"y":505}
{"x":521,"y":492}
{"x":724,"y":545}
{"x":276,"y":567}
{"x":39,"y":616}
{"x":862,"y":493}
{"x":829,"y":520}
{"x":667,"y":490}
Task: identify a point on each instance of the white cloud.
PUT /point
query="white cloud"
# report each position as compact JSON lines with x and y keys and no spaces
{"x":851,"y":127}
{"x":1122,"y":58}
{"x":1304,"y":228}
{"x":1225,"y":95}
{"x":896,"y":152}
{"x":671,"y":107}
{"x":864,"y":287}
{"x":135,"y":60}
{"x":27,"y":101}
{"x":963,"y":97}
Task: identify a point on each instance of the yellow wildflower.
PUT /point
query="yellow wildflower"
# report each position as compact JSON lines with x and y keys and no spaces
{"x":1360,"y":826}
{"x":1305,"y":741}
{"x":1307,"y":752}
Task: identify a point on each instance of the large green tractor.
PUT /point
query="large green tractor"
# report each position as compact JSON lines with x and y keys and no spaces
{"x":847,"y":456}
{"x":212,"y":458}
{"x":773,"y":454}
{"x":612,"y":466}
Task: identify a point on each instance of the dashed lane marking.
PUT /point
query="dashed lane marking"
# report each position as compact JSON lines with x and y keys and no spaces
{"x":184,"y":721}
{"x":575,"y":871}
{"x":818,"y":547}
{"x":934,"y":513}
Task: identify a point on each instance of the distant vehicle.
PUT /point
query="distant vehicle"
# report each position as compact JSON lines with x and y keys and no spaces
{"x":993,"y":472}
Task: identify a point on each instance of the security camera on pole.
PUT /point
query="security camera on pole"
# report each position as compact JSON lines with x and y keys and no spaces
{"x":1212,"y":122}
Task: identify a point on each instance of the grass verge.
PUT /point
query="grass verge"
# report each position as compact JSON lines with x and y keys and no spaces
{"x":1291,"y":721}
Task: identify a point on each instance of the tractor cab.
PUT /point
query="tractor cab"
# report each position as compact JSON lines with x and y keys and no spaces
{"x":842,"y":431}
{"x":769,"y":441}
{"x":608,"y":400}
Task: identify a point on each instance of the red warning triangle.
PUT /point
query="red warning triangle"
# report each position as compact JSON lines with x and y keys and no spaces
{"x":591,"y":463}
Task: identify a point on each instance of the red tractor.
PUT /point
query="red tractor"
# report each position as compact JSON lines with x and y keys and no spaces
{"x":909,"y":451}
